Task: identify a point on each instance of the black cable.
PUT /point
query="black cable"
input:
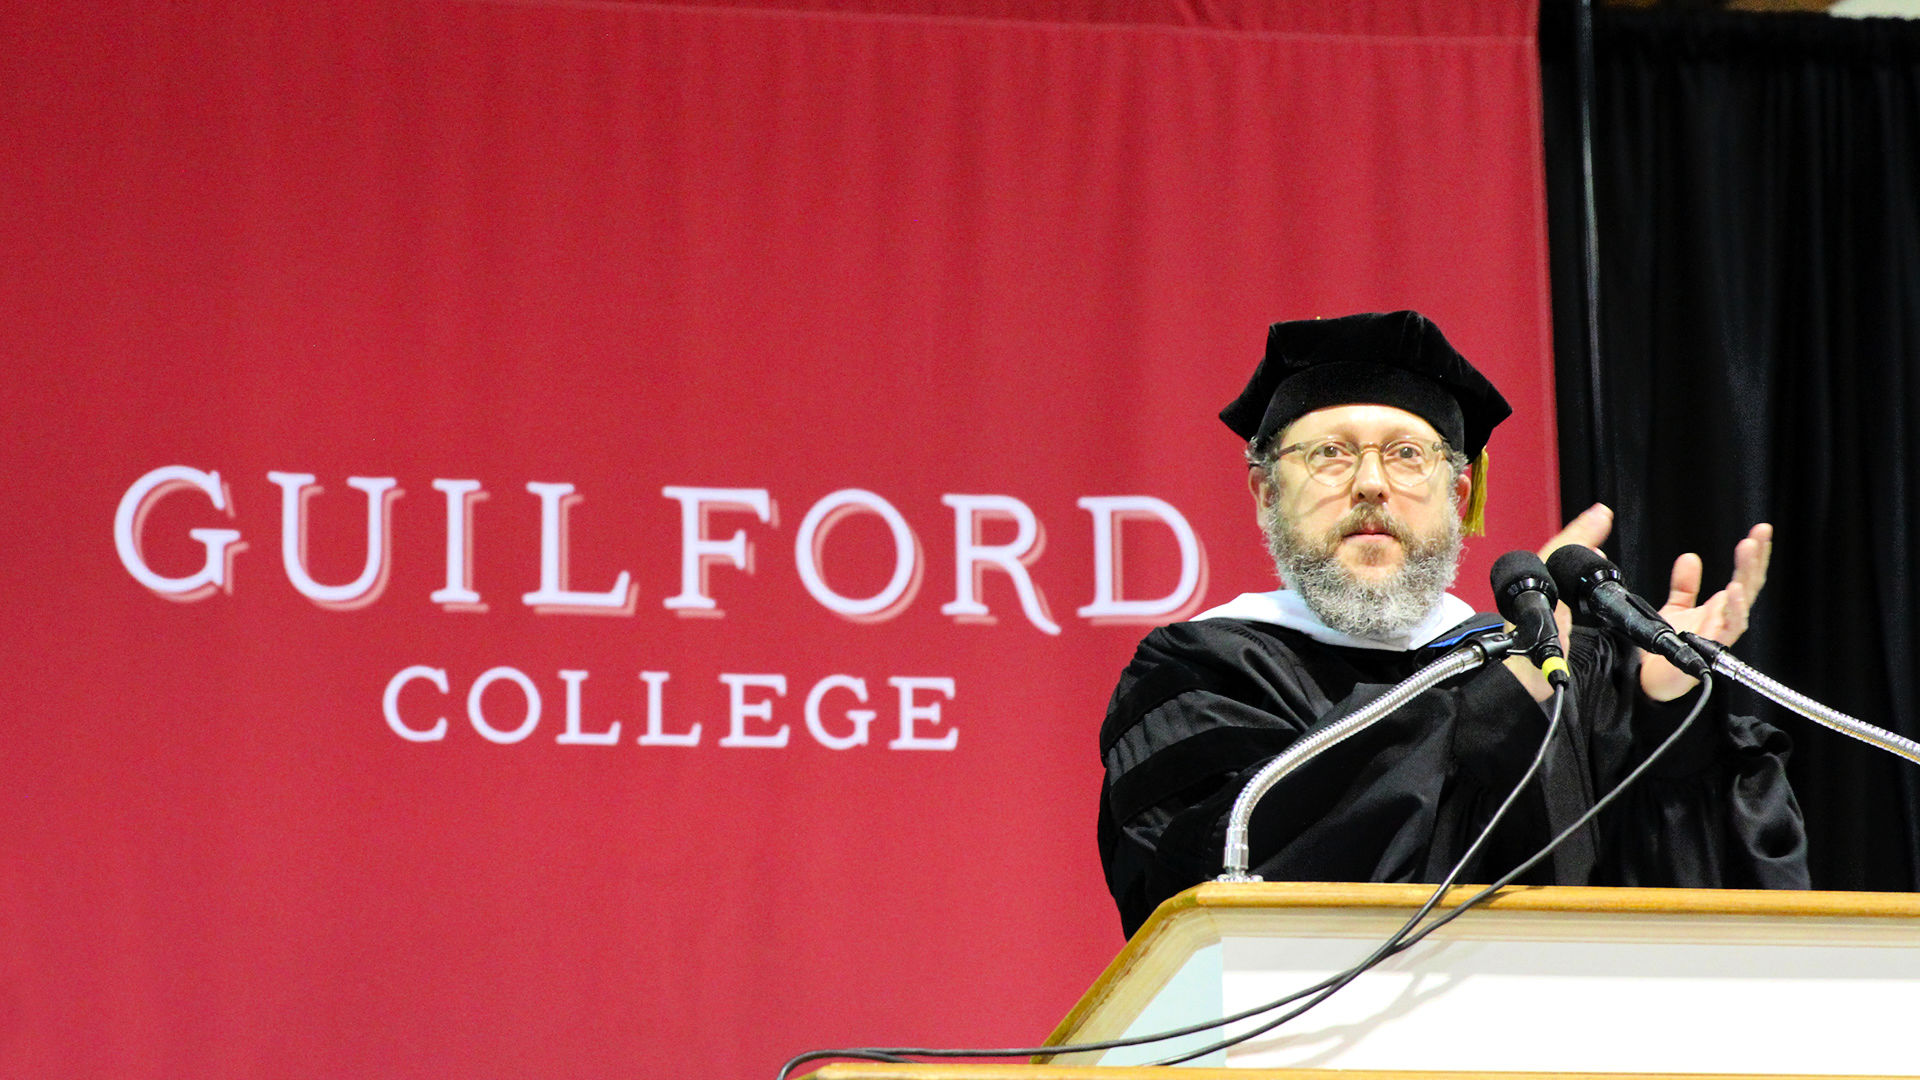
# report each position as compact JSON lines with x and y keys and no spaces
{"x":1327,"y":985}
{"x":1706,"y":691}
{"x":1393,"y":947}
{"x":1326,"y":988}
{"x":1403,"y":939}
{"x":863,"y":1055}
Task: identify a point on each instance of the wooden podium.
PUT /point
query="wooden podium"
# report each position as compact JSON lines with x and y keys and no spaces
{"x":1547,"y":981}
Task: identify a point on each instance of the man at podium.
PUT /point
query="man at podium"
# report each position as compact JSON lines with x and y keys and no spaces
{"x":1365,"y":449}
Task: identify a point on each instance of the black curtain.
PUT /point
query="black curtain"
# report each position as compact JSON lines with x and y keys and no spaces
{"x":1757,"y":184}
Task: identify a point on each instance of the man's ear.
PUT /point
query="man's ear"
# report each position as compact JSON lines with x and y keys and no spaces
{"x":1260,"y":482}
{"x":1463,"y":488}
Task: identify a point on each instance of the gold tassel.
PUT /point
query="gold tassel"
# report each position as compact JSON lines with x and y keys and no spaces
{"x":1476,"y":522}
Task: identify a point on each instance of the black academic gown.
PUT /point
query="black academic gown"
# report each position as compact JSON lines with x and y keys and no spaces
{"x":1205,"y":704}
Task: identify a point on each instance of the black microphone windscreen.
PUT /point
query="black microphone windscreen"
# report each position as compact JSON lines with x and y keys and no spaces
{"x":1575,"y":568}
{"x":1517,"y":572}
{"x":1517,"y":566}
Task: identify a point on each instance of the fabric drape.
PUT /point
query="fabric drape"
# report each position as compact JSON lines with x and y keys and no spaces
{"x":1757,"y":182}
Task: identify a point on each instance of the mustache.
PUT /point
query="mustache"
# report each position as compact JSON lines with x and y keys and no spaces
{"x":1373,"y":519}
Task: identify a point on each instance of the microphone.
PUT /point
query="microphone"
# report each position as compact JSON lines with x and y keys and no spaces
{"x":1525,"y":594}
{"x":1589,"y":578}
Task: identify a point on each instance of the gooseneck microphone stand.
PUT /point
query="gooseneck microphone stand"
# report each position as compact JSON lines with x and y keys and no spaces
{"x":1723,"y":661}
{"x":1471,"y":654}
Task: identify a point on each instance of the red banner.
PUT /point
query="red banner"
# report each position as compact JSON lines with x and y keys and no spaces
{"x":593,"y":539}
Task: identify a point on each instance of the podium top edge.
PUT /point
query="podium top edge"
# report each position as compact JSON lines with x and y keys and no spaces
{"x":1214,"y":896}
{"x":930,"y":1071}
{"x":926,"y":1071}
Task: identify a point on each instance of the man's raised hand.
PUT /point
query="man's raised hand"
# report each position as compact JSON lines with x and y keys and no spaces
{"x":1723,"y":618}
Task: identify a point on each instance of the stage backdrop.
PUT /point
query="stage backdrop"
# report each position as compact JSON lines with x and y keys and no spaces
{"x":593,"y":539}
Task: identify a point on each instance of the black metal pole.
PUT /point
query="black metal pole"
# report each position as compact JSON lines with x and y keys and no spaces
{"x":1599,"y":435}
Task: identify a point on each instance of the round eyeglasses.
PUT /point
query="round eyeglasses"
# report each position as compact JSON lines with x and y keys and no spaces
{"x":1407,"y":463}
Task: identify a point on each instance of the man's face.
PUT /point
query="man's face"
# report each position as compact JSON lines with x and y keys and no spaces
{"x":1369,"y":522}
{"x":1372,"y":554}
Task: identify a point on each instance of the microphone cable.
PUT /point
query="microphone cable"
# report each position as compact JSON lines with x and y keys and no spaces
{"x":1402,"y":941}
{"x":1325,"y":988}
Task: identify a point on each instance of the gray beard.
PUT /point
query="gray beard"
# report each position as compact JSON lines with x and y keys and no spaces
{"x":1382,"y":609}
